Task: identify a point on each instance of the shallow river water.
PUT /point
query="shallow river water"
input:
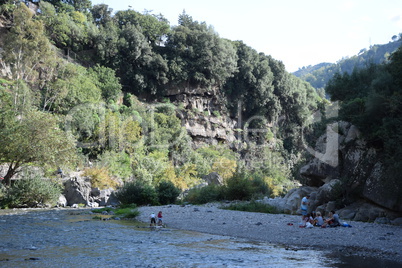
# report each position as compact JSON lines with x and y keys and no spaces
{"x":72,"y":238}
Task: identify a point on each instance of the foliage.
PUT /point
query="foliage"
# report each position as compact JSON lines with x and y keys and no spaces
{"x":88,"y":69}
{"x":197,"y":55}
{"x":100,"y":178}
{"x":252,"y":206}
{"x":371,"y":99}
{"x":224,"y":167}
{"x":203,"y":195}
{"x":107,"y":82}
{"x":33,"y":138}
{"x":118,"y":163}
{"x":138,"y":193}
{"x":20,"y":51}
{"x":100,"y":210}
{"x":167,"y":192}
{"x":239,"y":187}
{"x":67,"y":28}
{"x":129,"y":211}
{"x":32,"y":191}
{"x":79,"y":88}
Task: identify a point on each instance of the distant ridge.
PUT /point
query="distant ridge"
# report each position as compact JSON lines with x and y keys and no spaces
{"x":318,"y":75}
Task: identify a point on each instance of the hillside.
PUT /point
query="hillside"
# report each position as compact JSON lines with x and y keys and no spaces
{"x":141,"y":100}
{"x":134,"y":102}
{"x":319,"y":75}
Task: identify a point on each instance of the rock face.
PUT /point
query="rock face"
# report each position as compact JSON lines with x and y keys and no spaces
{"x":78,"y":190}
{"x":203,"y":115}
{"x":347,"y":176}
{"x":213,"y":178}
{"x":342,"y":156}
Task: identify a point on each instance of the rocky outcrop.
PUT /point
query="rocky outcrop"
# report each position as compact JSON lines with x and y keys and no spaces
{"x":213,"y":178}
{"x":203,"y":114}
{"x":78,"y":190}
{"x":345,"y":175}
{"x":342,"y":157}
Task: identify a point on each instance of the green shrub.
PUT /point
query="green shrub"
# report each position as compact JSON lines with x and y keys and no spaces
{"x":210,"y":193}
{"x":239,"y":188}
{"x":167,"y":192}
{"x":128,"y":211}
{"x":138,"y":193}
{"x":252,"y":206}
{"x":260,"y":188}
{"x":32,"y":192}
{"x":100,"y":210}
{"x":100,"y":178}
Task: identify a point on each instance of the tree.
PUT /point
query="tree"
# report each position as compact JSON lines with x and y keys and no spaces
{"x":107,"y":82}
{"x":33,"y":138}
{"x":26,"y":48}
{"x":79,"y":5}
{"x":101,"y":14}
{"x":68,"y":29}
{"x":153,"y":27}
{"x":197,"y":55}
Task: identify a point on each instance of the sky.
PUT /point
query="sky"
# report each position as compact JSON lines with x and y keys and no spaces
{"x":298,"y":33}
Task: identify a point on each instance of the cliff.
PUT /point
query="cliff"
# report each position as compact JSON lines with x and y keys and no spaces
{"x":203,"y":113}
{"x":350,"y":170}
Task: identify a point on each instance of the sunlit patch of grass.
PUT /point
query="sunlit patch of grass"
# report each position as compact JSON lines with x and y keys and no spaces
{"x":126,"y":211}
{"x":252,"y":206}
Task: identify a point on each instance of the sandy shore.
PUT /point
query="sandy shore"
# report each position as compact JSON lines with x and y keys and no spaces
{"x":362,"y":239}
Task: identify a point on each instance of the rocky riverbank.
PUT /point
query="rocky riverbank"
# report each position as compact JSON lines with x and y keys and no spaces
{"x":76,"y":237}
{"x":364,"y":239}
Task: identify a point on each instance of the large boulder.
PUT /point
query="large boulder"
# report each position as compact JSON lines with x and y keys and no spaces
{"x":77,"y":190}
{"x":326,"y":192}
{"x":102,"y":197}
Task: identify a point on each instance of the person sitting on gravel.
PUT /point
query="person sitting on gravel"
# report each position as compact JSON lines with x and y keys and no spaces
{"x":332,"y":220}
{"x":318,"y":220}
{"x":307,"y":219}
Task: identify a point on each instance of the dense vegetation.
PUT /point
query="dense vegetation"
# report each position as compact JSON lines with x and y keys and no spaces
{"x":371,"y":99}
{"x":319,"y":75}
{"x":83,"y":86}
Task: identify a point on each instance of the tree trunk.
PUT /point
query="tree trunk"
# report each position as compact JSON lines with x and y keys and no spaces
{"x":10,"y":173}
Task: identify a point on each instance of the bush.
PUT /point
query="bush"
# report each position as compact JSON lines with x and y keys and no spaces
{"x":167,"y":192}
{"x":32,"y":192}
{"x":210,"y":193}
{"x":239,"y":188}
{"x":100,"y":178}
{"x":252,"y":206}
{"x":125,"y":211}
{"x":138,"y":193}
{"x":260,"y":187}
{"x":128,"y":211}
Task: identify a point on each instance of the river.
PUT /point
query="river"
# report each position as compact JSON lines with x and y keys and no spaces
{"x":72,"y":238}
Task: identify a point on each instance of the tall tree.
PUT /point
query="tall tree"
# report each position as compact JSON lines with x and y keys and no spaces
{"x":26,"y":48}
{"x":197,"y":55}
